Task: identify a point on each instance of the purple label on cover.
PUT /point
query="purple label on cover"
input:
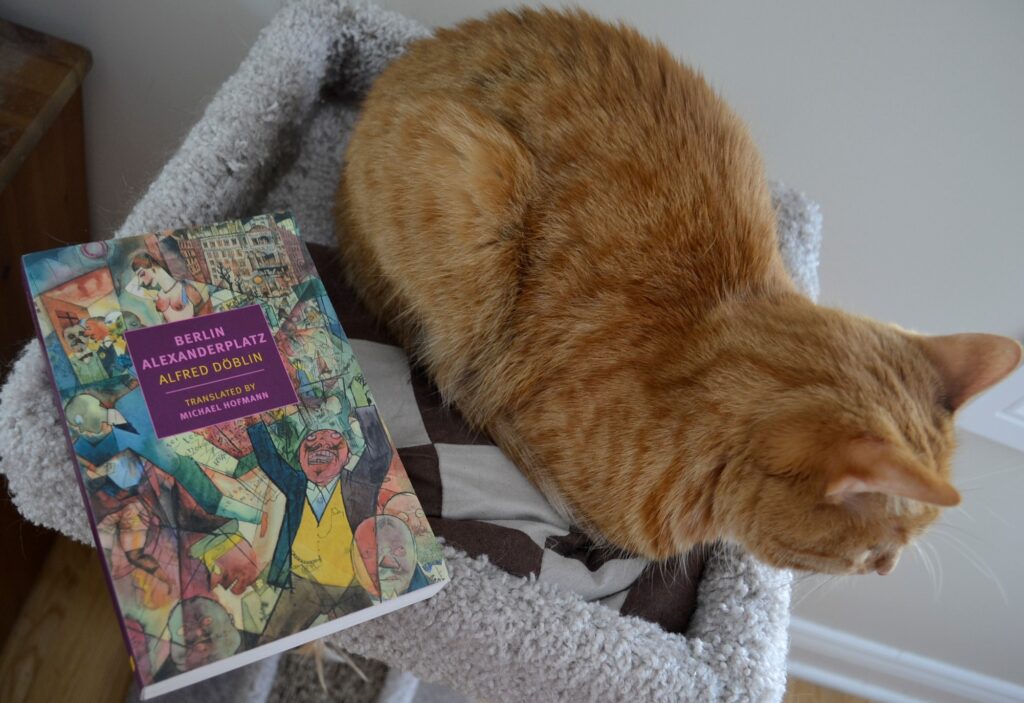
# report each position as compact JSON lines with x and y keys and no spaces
{"x":209,"y":369}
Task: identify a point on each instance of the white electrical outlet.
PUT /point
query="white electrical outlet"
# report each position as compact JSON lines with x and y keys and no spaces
{"x":998,"y":413}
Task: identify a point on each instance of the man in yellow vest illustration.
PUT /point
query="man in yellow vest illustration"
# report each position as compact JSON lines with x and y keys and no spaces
{"x":312,"y":562}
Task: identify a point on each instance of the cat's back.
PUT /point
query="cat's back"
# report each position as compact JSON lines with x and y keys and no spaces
{"x":616,"y":130}
{"x":519,"y":177}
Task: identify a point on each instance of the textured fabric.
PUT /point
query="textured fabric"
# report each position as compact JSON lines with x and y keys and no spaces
{"x":272,"y":138}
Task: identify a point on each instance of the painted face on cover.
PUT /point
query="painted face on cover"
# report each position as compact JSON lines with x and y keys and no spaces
{"x":144,"y":267}
{"x":87,"y":416}
{"x":396,"y":555}
{"x":364,"y":556}
{"x":201,"y":632}
{"x":407,"y":508}
{"x":74,"y":336}
{"x":96,"y":329}
{"x":322,"y":455}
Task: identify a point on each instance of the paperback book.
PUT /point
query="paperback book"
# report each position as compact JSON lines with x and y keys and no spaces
{"x":243,"y":490}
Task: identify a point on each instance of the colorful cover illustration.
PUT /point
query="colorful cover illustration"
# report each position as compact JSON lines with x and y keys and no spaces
{"x":243,"y":489}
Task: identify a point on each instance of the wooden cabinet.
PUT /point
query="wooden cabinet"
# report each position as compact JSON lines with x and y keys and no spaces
{"x":42,"y":163}
{"x":42,"y":205}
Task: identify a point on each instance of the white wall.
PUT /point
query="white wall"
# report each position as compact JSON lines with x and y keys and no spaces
{"x":903,"y":119}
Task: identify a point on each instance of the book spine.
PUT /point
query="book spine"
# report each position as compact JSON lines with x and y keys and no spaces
{"x":81,"y":483}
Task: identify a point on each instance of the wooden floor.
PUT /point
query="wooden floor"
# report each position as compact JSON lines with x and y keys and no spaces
{"x":66,"y":644}
{"x":802,"y":692}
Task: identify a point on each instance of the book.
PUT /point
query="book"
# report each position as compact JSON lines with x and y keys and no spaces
{"x":243,"y":491}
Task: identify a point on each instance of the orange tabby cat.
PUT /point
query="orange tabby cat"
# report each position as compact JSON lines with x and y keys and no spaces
{"x":573,"y":234}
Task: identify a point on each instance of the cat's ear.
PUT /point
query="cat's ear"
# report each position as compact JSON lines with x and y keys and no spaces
{"x":871,"y":465}
{"x":970,"y":363}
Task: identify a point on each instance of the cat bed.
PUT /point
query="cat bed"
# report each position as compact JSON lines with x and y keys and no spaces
{"x":273,"y":138}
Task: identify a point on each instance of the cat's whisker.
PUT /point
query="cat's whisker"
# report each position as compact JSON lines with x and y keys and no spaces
{"x":831,"y":583}
{"x":999,"y":518}
{"x":825,"y":579}
{"x":835,"y":582}
{"x":977,"y":562}
{"x":1017,"y":467}
{"x":926,"y":562}
{"x":958,"y":528}
{"x":803,"y":576}
{"x":798,"y":598}
{"x":963,"y":511}
{"x":938,"y":563}
{"x":980,"y":501}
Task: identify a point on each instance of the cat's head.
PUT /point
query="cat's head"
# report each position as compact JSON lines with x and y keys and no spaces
{"x":849,"y":460}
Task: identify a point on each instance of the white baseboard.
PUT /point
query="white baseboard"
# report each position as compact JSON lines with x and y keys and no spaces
{"x":881,"y":673}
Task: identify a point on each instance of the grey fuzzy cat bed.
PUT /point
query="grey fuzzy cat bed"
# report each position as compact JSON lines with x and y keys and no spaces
{"x":273,"y":138}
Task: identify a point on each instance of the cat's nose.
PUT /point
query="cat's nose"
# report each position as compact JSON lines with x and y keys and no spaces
{"x":886,"y":562}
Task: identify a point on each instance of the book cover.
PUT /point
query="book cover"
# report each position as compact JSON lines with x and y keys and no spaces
{"x":242,"y":488}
